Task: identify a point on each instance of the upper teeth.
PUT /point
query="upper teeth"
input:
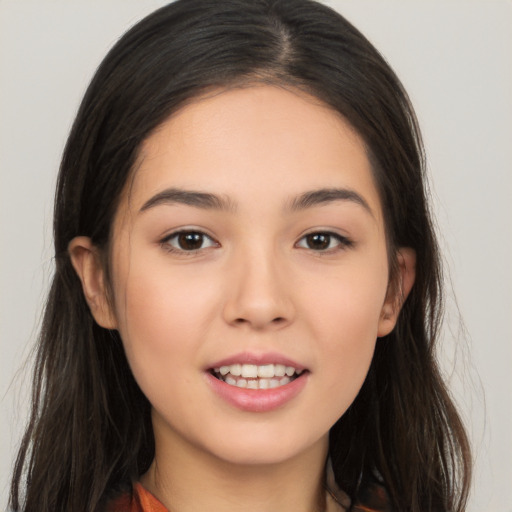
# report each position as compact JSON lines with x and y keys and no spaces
{"x":253,"y":371}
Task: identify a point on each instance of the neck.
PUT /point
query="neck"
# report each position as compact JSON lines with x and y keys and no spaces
{"x":186,"y":479}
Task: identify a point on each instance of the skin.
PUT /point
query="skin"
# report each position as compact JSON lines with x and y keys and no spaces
{"x":256,"y":285}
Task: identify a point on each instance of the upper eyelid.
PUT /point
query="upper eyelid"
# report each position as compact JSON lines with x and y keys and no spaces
{"x":332,"y":234}
{"x":343,"y":240}
{"x":312,"y":231}
{"x":179,"y":231}
{"x":167,"y":242}
{"x":325,"y":231}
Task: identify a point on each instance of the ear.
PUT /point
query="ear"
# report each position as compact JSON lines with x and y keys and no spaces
{"x":86,"y":260}
{"x":398,"y":291}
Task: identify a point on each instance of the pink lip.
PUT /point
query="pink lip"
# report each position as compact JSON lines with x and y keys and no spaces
{"x":258,"y":359}
{"x":257,"y":400}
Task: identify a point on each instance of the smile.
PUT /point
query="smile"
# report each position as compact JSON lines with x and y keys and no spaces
{"x":251,"y":376}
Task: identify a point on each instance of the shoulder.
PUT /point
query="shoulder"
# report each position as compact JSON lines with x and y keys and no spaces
{"x":139,"y":500}
{"x":374,"y":498}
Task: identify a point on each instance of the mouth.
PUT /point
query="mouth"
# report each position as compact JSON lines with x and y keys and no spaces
{"x":252,"y":376}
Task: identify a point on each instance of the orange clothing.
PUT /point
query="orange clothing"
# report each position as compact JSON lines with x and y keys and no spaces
{"x":144,"y":501}
{"x":375,"y":498}
{"x":140,"y":501}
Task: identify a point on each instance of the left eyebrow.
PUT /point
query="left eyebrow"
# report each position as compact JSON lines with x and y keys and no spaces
{"x":201,"y":200}
{"x":328,"y":195}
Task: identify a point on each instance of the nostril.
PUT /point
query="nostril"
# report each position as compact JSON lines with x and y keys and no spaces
{"x":277,"y":320}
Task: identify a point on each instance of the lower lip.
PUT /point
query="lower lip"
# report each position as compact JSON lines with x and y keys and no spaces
{"x":257,"y":400}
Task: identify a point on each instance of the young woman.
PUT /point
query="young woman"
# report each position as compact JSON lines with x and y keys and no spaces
{"x":247,"y":289}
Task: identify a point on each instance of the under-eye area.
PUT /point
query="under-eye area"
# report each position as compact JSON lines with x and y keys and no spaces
{"x":251,"y":376}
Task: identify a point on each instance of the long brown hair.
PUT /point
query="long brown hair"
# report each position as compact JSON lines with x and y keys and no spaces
{"x":90,"y":433}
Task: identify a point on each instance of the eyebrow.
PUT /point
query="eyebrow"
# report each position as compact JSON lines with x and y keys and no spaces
{"x":208,"y":201}
{"x":202,"y":200}
{"x":328,"y":195}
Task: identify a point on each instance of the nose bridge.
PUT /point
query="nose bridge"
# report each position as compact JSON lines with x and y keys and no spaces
{"x":259,"y":292}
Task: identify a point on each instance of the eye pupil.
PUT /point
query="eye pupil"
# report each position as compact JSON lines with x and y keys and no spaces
{"x":190,"y":241}
{"x":318,"y":241}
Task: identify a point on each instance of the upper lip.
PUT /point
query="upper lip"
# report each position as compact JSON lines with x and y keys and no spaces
{"x":257,"y":359}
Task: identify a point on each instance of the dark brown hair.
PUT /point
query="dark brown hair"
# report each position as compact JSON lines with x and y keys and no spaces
{"x":90,"y":431}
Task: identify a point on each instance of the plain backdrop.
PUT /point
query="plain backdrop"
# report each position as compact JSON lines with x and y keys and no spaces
{"x":455,"y":59}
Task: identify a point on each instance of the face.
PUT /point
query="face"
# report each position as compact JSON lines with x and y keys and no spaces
{"x":250,"y":274}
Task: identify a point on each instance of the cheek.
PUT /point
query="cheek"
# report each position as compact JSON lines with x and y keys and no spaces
{"x":154,"y":294}
{"x":162,"y":320}
{"x":344,"y":321}
{"x":162,"y":315}
{"x":348,"y":303}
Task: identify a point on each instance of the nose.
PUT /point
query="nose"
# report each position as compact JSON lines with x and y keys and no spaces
{"x":259,"y":293}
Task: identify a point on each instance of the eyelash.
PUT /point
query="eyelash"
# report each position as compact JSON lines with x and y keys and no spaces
{"x":341,"y":242}
{"x":167,"y":241}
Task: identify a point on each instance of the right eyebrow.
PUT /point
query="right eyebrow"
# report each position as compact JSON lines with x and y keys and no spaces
{"x":204,"y":200}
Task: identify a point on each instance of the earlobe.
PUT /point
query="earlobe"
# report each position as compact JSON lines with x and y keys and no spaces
{"x":397,"y":293}
{"x":86,"y":261}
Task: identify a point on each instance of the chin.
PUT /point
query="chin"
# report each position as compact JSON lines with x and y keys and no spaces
{"x":255,"y":450}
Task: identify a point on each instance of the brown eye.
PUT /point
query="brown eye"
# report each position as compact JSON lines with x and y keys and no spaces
{"x":323,"y":241}
{"x":318,"y":241}
{"x":189,"y":241}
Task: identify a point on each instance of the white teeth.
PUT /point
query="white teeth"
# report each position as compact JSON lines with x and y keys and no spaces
{"x":266,"y":371}
{"x":252,"y":384}
{"x":251,"y":376}
{"x":236,"y":370}
{"x":263,"y":383}
{"x":241,"y":383}
{"x":257,"y":383}
{"x":280,"y":370}
{"x":252,"y":371}
{"x":249,"y":370}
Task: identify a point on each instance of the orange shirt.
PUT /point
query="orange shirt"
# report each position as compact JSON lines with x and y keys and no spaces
{"x":140,"y":501}
{"x":143,"y":501}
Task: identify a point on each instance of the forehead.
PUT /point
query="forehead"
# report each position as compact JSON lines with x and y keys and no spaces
{"x":253,"y":143}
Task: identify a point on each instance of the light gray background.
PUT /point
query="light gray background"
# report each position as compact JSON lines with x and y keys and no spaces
{"x":455,"y":59}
